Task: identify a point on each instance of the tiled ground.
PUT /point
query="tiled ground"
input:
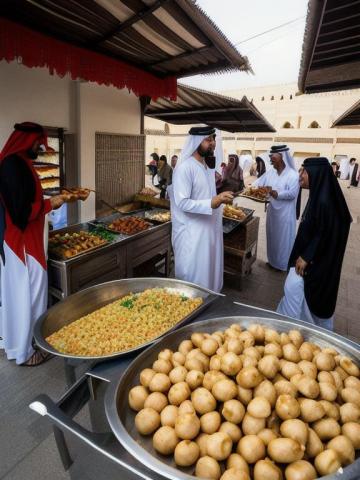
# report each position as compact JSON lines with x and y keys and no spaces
{"x":27,"y":449}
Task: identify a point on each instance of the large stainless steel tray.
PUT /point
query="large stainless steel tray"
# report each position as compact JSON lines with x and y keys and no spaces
{"x":90,"y":299}
{"x":121,"y":417}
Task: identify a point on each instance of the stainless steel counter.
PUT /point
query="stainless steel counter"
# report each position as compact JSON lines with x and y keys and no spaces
{"x":96,"y":454}
{"x":113,"y":261}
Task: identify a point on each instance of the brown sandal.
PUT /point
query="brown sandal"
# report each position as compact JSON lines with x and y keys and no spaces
{"x":37,"y":358}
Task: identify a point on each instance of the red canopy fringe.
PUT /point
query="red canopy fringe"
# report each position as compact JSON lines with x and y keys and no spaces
{"x":34,"y":49}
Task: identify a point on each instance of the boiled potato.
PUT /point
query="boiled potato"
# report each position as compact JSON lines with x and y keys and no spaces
{"x":352,"y":382}
{"x":349,"y":412}
{"x":351,"y":395}
{"x":203,"y":400}
{"x":252,"y":425}
{"x":232,"y":430}
{"x":249,"y":377}
{"x":287,"y":407}
{"x":194,"y":379}
{"x":266,"y":435}
{"x":210,"y":422}
{"x":328,"y":391}
{"x":344,"y":448}
{"x":234,"y":474}
{"x":165,"y":440}
{"x":311,"y":410}
{"x":137,"y":397}
{"x":285,"y":450}
{"x":186,"y":453}
{"x":352,"y":431}
{"x":267,"y":470}
{"x":251,"y":448}
{"x":168,"y":416}
{"x":291,"y":353}
{"x":178,"y":393}
{"x":187,"y":426}
{"x":269,"y":366}
{"x":266,"y":389}
{"x":325,"y":361}
{"x":201,"y":441}
{"x":233,"y":411}
{"x":349,"y":366}
{"x":327,"y":462}
{"x":165,"y":354}
{"x":235,"y":345}
{"x":147,"y":421}
{"x":186,"y":407}
{"x":197,"y":339}
{"x":219,"y":445}
{"x":259,"y":407}
{"x":162,"y":366}
{"x":178,"y":374}
{"x":209,"y":346}
{"x":326,"y":428}
{"x":178,"y":359}
{"x":160,"y":382}
{"x":157,"y":401}
{"x":208,"y":467}
{"x":211,"y":377}
{"x":314,"y":445}
{"x":145,"y":376}
{"x":224,"y":390}
{"x":230,"y":363}
{"x":244,"y":395}
{"x":237,"y":461}
{"x":295,"y":429}
{"x":308,"y":387}
{"x":300,"y":470}
{"x":308,"y":368}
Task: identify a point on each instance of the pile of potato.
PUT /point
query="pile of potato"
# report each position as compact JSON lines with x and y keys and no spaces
{"x":251,"y":404}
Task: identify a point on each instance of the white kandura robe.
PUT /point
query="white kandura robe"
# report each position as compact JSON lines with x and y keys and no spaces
{"x":197,"y":235}
{"x":281,"y":215}
{"x":20,"y":311}
{"x":294,"y":304}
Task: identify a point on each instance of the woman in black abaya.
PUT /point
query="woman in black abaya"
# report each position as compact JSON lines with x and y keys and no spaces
{"x":311,"y":287}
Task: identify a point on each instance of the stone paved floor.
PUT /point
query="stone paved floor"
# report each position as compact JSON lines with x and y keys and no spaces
{"x":27,"y":448}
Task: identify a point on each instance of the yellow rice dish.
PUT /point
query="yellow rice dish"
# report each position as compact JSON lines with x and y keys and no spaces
{"x":124,"y":324}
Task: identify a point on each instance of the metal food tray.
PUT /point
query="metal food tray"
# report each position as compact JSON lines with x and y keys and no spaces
{"x":121,"y":417}
{"x":86,"y":301}
{"x":105,"y":222}
{"x":255,"y":199}
{"x":229,"y":223}
{"x":148,"y":215}
{"x":55,"y":256}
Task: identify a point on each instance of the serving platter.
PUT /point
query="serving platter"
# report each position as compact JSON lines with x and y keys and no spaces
{"x":86,"y":301}
{"x":121,"y":418}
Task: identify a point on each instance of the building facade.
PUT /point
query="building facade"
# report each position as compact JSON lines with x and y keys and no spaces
{"x":301,"y":121}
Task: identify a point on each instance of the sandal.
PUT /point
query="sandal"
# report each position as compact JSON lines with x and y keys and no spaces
{"x":37,"y":358}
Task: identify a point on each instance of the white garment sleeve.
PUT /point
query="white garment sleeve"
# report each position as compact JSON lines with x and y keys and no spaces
{"x":260,"y":182}
{"x":182,"y":186}
{"x":291,"y":192}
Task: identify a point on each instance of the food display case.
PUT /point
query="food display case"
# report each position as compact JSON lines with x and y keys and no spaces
{"x":118,"y":258}
{"x":109,"y":448}
{"x":50,"y":165}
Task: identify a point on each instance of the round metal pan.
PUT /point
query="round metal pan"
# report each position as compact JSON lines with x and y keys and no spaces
{"x":86,"y":301}
{"x":121,"y":417}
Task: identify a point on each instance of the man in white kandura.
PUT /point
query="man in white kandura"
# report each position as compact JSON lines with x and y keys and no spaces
{"x":281,"y":214}
{"x":196,"y":213}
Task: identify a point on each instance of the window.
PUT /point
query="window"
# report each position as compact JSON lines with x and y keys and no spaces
{"x":290,"y":97}
{"x":282,"y":97}
{"x":287,"y":125}
{"x":167,"y":129}
{"x":262,"y":99}
{"x":272,"y":97}
{"x":314,"y":124}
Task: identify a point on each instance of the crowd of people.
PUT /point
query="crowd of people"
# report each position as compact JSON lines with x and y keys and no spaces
{"x":312,"y":257}
{"x":197,"y":189}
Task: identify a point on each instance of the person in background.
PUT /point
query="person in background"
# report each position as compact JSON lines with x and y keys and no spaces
{"x":312,"y":284}
{"x":336,"y":169}
{"x":173,"y":161}
{"x":222,"y":166}
{"x":354,"y":173}
{"x":24,"y":283}
{"x":283,"y":184}
{"x":260,"y":166}
{"x":196,"y":213}
{"x":232,"y":178}
{"x":153,"y":165}
{"x":164,"y":175}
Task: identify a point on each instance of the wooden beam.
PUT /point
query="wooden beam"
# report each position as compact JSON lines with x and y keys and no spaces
{"x":140,"y":15}
{"x":186,"y":54}
{"x":194,"y":112}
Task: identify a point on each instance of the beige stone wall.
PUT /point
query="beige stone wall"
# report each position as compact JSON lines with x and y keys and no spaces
{"x":279,"y":104}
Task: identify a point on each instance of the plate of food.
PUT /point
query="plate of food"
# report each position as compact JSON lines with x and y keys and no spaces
{"x":258,"y":194}
{"x":68,"y":245}
{"x":239,"y":214}
{"x":158,"y":216}
{"x":128,"y":225}
{"x":75,"y":193}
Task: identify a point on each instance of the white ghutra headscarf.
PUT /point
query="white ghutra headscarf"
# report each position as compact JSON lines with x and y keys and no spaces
{"x":193,"y":140}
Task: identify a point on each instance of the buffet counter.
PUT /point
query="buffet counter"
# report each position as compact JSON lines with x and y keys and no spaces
{"x":114,"y":260}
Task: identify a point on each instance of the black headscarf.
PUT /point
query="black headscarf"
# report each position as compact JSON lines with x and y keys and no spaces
{"x":322,"y":237}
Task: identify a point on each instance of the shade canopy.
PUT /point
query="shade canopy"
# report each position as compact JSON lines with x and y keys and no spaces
{"x":331,"y":48}
{"x":162,"y":37}
{"x":195,"y":106}
{"x":350,"y":118}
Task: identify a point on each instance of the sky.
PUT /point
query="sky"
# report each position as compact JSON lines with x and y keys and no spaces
{"x":274,"y":56}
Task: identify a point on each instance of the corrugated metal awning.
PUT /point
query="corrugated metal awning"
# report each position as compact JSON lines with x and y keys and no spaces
{"x":162,"y":37}
{"x":349,"y":118}
{"x":331,"y":49}
{"x":194,"y":106}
